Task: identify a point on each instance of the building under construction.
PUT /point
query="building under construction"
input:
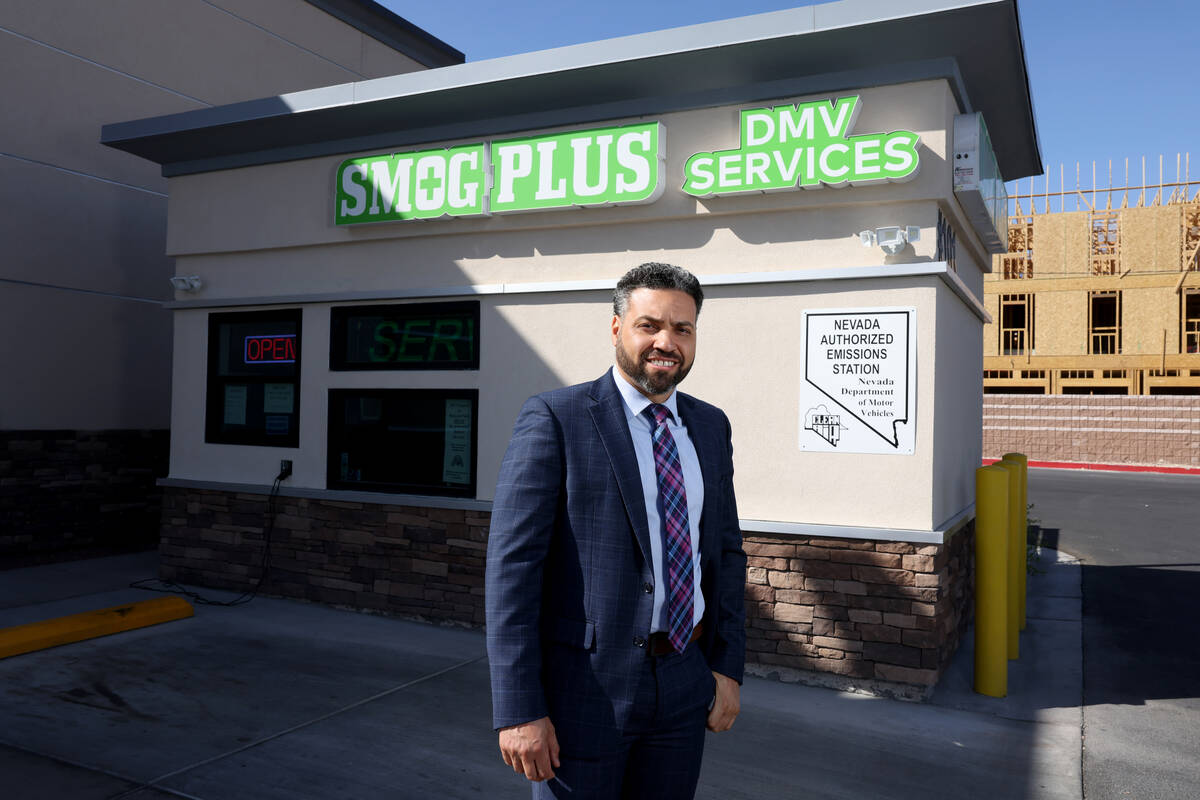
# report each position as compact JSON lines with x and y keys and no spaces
{"x":1099,"y":292}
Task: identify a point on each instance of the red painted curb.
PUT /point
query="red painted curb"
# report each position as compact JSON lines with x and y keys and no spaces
{"x":1106,"y":467}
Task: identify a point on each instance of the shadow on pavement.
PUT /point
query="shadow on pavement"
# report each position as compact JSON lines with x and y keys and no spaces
{"x":282,"y":700}
{"x":1133,"y":615}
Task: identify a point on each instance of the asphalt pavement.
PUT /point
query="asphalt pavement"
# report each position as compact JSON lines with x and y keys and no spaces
{"x":1138,"y":537}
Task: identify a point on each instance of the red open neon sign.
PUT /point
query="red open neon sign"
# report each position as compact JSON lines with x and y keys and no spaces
{"x":274,"y":349}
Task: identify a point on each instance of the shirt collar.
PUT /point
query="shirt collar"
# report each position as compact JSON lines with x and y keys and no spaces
{"x":636,"y":402}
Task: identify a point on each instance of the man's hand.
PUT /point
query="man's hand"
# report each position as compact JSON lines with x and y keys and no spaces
{"x":726,"y":704}
{"x":532,"y":748}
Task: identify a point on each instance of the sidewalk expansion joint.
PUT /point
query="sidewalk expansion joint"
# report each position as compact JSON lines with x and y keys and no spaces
{"x":136,"y":783}
{"x":155,"y":783}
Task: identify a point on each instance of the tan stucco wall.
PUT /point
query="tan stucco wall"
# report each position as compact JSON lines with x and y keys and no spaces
{"x":291,"y":204}
{"x":268,"y":231}
{"x":84,"y":216}
{"x":957,"y":412}
{"x":539,"y":342}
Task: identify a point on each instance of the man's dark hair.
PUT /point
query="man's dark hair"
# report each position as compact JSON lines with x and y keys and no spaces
{"x":653,"y":275}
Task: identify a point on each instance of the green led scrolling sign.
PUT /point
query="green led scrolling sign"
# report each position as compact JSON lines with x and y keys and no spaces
{"x":807,"y":145}
{"x":598,"y":167}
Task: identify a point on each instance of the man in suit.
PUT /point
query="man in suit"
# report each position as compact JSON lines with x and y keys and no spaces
{"x":615,"y":571}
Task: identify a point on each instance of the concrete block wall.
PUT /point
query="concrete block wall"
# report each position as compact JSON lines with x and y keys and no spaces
{"x":1135,"y":430}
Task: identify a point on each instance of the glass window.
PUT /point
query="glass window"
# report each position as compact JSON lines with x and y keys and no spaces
{"x":410,"y":441}
{"x":405,"y":336}
{"x":254,"y":378}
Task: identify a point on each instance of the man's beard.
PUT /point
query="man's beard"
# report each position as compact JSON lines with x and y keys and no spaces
{"x":650,"y":384}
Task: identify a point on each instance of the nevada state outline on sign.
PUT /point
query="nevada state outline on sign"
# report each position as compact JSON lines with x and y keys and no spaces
{"x":858,"y":390}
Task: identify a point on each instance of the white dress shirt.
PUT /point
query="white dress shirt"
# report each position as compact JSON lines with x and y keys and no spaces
{"x":693,"y":486}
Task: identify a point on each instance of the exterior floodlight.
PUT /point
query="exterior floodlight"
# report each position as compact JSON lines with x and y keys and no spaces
{"x":186,"y":283}
{"x":892,"y":238}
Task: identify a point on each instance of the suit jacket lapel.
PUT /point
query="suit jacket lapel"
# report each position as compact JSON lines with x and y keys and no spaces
{"x":608,"y":414}
{"x":708,"y":450}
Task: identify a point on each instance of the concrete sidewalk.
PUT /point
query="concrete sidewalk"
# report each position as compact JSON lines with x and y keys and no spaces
{"x":280,"y":700}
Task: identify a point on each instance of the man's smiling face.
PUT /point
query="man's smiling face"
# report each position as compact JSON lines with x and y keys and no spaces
{"x":655,"y":340}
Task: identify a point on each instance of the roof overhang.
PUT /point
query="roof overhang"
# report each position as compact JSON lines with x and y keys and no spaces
{"x":976,"y":46}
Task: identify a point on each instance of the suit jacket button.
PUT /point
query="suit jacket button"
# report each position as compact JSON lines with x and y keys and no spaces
{"x":648,"y":587}
{"x":639,"y":641}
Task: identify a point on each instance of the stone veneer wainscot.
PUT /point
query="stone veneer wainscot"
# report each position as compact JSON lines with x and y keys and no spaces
{"x":854,"y":614}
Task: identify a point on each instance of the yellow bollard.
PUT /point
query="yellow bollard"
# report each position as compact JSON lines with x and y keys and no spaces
{"x":1023,"y":526}
{"x":991,"y":581}
{"x":1013,"y":603}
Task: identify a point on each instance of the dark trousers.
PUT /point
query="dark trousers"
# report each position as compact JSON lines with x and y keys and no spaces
{"x":657,"y":755}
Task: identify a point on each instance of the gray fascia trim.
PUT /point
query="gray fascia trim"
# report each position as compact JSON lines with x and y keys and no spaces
{"x":1037,"y":144}
{"x":392,"y":30}
{"x":908,"y":72}
{"x":379,"y":498}
{"x":885,"y":271}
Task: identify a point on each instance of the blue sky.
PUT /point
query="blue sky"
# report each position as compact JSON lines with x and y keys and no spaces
{"x":1111,"y":79}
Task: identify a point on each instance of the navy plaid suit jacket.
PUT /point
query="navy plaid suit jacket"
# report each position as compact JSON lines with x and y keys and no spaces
{"x":569,"y":558}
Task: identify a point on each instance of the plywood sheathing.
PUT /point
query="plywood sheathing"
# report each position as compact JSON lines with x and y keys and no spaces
{"x":1147,"y":313}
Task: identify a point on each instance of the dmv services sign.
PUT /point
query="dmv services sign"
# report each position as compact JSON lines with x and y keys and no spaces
{"x":598,"y":167}
{"x":806,"y":145}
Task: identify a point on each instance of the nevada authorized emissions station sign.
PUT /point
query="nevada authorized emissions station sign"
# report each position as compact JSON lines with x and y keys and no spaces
{"x":859,"y":393}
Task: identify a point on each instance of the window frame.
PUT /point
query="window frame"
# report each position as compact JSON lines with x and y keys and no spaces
{"x":336,"y":427}
{"x":214,"y":403}
{"x":1189,"y":327}
{"x":1115,"y":332}
{"x":1026,"y":331}
{"x":338,"y":321}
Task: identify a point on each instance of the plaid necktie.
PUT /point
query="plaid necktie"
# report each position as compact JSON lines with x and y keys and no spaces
{"x":676,"y":533}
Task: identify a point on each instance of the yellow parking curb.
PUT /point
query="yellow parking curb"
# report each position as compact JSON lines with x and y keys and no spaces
{"x":75,"y":628}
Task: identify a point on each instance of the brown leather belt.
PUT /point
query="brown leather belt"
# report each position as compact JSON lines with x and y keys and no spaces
{"x":659,"y":644}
